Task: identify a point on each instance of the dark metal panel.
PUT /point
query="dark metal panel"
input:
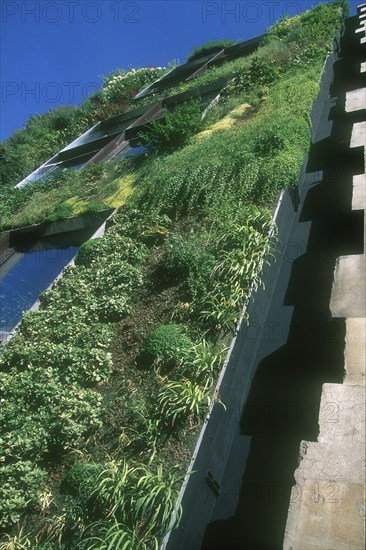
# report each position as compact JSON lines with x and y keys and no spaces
{"x":201,"y":91}
{"x":204,"y":67}
{"x":103,"y":133}
{"x":192,"y":69}
{"x":109,"y":150}
{"x":125,"y":117}
{"x":121,"y":141}
{"x":243,"y":48}
{"x":174,"y":76}
{"x":85,"y":149}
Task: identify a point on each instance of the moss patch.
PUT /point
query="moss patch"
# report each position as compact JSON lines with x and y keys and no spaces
{"x":78,"y":206}
{"x":227,"y":122}
{"x":125,"y":187}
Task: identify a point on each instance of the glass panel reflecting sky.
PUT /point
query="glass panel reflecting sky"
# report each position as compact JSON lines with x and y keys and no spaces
{"x":21,"y":286}
{"x":27,"y":273}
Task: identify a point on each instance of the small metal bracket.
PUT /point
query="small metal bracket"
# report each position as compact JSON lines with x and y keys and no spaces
{"x":213,"y":484}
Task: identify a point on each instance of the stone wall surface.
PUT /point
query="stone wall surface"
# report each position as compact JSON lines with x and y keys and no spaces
{"x":327,"y":506}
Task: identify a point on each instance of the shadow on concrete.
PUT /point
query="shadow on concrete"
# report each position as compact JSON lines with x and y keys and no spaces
{"x":282,"y":407}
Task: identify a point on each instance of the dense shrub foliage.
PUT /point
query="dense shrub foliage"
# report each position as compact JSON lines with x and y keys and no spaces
{"x":81,"y":479}
{"x":231,"y":163}
{"x":59,"y":354}
{"x":182,"y":256}
{"x":66,"y":194}
{"x":122,"y":86}
{"x":190,"y":242}
{"x":175,"y":129}
{"x":166,"y":346}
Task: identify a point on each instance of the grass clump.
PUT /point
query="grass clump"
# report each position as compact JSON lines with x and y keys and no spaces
{"x":182,"y":256}
{"x":208,"y":48}
{"x":175,"y":129}
{"x":182,"y":400}
{"x":140,"y":501}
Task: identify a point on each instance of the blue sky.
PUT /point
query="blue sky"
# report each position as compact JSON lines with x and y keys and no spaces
{"x":54,"y":51}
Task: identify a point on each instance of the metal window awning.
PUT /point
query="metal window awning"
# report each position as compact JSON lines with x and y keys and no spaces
{"x":193,"y":69}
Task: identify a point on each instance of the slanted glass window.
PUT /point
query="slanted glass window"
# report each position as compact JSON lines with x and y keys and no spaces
{"x":81,"y":150}
{"x":41,"y":174}
{"x":131,"y":149}
{"x":30,"y":269}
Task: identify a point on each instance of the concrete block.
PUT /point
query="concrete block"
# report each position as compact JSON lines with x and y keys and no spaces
{"x":358,"y":137}
{"x":329,"y":516}
{"x":348,"y":297}
{"x":342,"y":422}
{"x":359,"y":192}
{"x":327,"y":504}
{"x":356,"y":100}
{"x":355,"y":352}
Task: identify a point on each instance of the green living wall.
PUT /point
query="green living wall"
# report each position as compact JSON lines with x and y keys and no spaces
{"x":104,"y":389}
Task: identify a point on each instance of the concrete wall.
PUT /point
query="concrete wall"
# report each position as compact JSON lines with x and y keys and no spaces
{"x":327,"y":508}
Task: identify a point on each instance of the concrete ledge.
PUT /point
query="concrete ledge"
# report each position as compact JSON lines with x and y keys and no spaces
{"x":348,"y":291}
{"x":356,"y":100}
{"x":342,"y":421}
{"x":319,"y":523}
{"x":363,"y":67}
{"x":359,"y":192}
{"x":358,"y":137}
{"x":327,"y":503}
{"x":355,"y":352}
